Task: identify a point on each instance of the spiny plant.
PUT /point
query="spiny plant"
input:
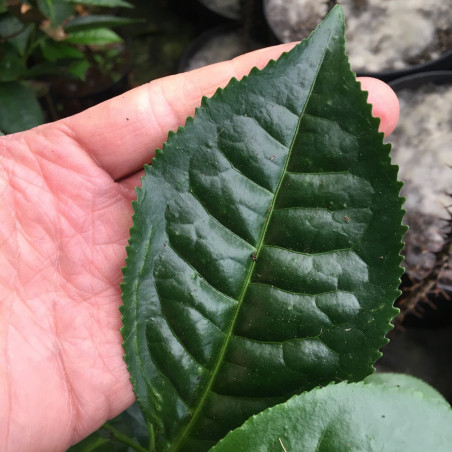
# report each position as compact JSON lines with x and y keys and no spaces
{"x":262,"y":265}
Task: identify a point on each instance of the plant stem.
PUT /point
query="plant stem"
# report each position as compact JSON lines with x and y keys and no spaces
{"x":123,"y":438}
{"x":151,"y":437}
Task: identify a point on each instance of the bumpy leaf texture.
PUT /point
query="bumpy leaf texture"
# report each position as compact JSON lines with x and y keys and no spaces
{"x":264,"y":256}
{"x":353,"y":417}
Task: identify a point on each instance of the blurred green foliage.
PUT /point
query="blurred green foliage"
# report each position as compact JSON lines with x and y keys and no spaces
{"x":42,"y":40}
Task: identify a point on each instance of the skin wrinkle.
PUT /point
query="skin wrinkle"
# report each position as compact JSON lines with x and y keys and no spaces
{"x":5,"y":370}
{"x":73,"y":407}
{"x":70,"y":220}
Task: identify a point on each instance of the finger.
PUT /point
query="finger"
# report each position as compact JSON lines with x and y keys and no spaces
{"x":385,"y":104}
{"x":122,"y":134}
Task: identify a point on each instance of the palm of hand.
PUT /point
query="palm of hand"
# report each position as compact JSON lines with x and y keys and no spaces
{"x":63,"y":225}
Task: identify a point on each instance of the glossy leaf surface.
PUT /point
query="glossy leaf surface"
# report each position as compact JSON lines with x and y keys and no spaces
{"x":352,"y":417}
{"x":264,"y":256}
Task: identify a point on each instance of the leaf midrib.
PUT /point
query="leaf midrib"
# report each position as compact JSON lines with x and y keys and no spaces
{"x":197,"y":411}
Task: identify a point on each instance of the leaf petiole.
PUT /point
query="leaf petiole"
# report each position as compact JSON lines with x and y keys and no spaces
{"x":124,"y":438}
{"x":151,"y":437}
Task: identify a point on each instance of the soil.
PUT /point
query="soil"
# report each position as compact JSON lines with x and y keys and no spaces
{"x":381,"y":34}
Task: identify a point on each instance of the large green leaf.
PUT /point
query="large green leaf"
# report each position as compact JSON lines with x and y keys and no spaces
{"x":347,"y":417}
{"x":264,"y":256}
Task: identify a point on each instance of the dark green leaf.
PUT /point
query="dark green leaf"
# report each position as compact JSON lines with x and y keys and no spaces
{"x":406,"y":382}
{"x":132,"y":423}
{"x":347,"y":417}
{"x":103,"y":3}
{"x":78,"y":69}
{"x":19,"y":109}
{"x":264,"y":256}
{"x":127,"y":432}
{"x":10,"y":25}
{"x":56,"y":10}
{"x":99,"y":36}
{"x":96,"y":21}
{"x":94,"y":443}
{"x":54,"y":51}
{"x":12,"y":66}
{"x":20,"y":41}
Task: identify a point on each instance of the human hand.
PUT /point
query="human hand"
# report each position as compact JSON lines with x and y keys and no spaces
{"x":65,"y":212}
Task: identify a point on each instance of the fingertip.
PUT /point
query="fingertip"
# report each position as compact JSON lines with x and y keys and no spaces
{"x":385,"y":104}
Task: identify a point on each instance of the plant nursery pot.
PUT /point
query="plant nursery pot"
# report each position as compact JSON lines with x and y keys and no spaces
{"x":386,"y":40}
{"x":215,"y":45}
{"x":421,"y":342}
{"x":422,"y":149}
{"x":230,"y":9}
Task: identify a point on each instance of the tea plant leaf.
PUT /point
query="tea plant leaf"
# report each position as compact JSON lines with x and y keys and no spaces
{"x":407,"y":382}
{"x":347,"y":417}
{"x":98,"y":36}
{"x":264,"y":256}
{"x":103,"y":3}
{"x":95,"y":21}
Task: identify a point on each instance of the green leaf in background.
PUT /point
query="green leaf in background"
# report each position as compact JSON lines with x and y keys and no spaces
{"x":264,"y":256}
{"x":99,"y":37}
{"x":352,"y":417}
{"x":407,"y":382}
{"x":78,"y":69}
{"x":96,"y":21}
{"x":94,"y":443}
{"x":103,"y":3}
{"x":20,"y":42}
{"x":56,"y":10}
{"x":10,"y":25}
{"x":19,"y":109}
{"x":53,"y":51}
{"x":12,"y":66}
{"x":127,"y":432}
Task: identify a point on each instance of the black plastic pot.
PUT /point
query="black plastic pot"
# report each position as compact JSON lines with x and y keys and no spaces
{"x":417,"y":80}
{"x":442,"y":63}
